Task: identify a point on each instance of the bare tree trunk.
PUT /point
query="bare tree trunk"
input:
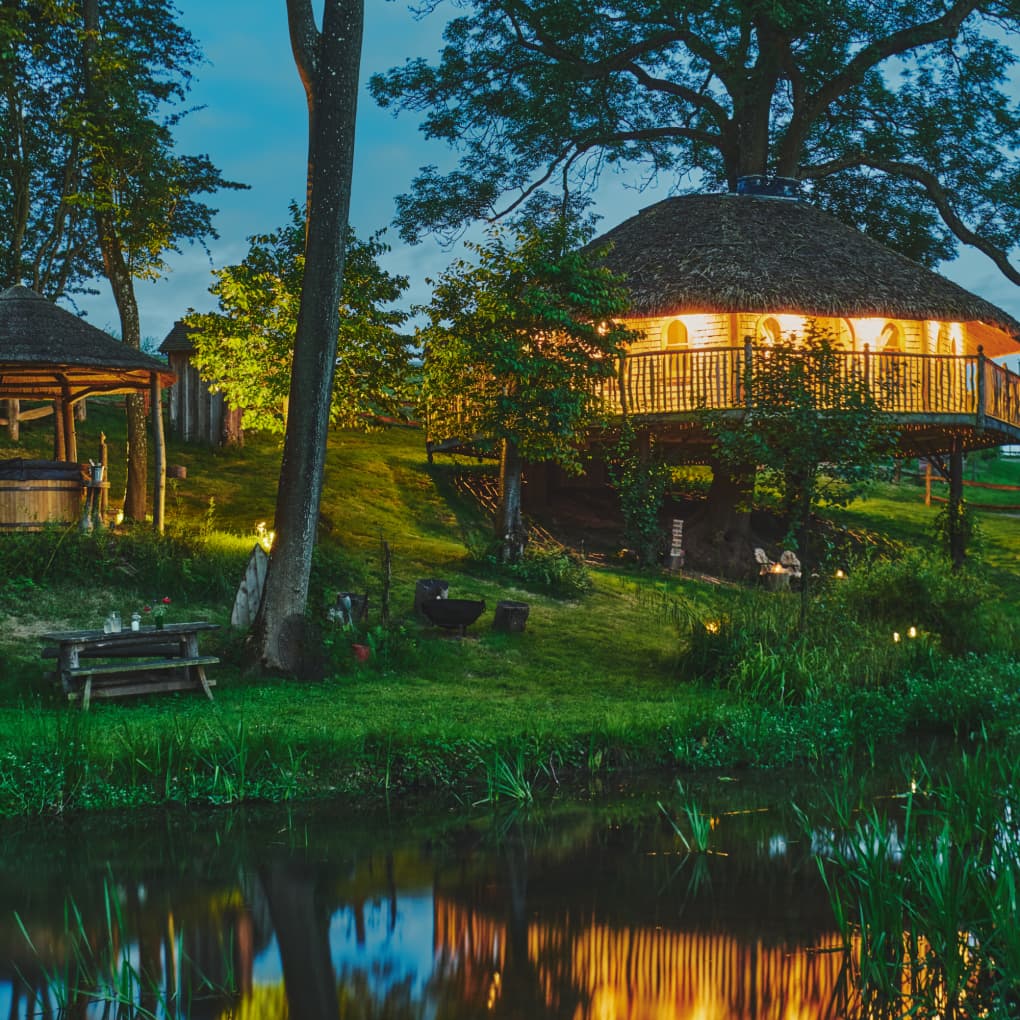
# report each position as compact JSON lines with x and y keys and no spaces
{"x":328,"y":62}
{"x":117,"y":271}
{"x":510,"y":533}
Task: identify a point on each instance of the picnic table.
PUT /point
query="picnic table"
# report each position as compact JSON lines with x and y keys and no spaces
{"x":97,"y":664}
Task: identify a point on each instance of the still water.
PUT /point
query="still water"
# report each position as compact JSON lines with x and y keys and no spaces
{"x":584,"y":910}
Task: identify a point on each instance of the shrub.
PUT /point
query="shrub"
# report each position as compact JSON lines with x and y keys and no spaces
{"x":916,"y":589}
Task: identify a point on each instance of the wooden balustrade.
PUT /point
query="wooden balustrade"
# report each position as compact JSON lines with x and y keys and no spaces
{"x":712,"y":379}
{"x":684,"y":382}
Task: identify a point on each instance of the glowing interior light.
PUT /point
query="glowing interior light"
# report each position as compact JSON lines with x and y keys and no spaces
{"x":264,"y":536}
{"x":868,"y":331}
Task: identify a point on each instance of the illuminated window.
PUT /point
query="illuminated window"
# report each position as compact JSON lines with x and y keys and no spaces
{"x":771,"y":330}
{"x":891,"y":337}
{"x":676,"y":335}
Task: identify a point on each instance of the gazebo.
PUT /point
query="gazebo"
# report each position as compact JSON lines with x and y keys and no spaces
{"x":48,"y":354}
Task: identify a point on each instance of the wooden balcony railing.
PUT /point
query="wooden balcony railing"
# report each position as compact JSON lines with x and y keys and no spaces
{"x":713,"y":379}
{"x":921,"y":387}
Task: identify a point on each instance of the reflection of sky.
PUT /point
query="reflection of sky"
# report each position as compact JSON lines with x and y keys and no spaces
{"x":387,"y":956}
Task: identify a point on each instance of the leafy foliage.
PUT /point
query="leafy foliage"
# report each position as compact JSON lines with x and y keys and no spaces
{"x":514,"y":341}
{"x":247,"y":346}
{"x":812,"y":425}
{"x":641,"y":480}
{"x":901,"y":117}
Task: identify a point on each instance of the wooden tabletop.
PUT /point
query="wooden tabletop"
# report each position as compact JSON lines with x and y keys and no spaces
{"x":149,"y":630}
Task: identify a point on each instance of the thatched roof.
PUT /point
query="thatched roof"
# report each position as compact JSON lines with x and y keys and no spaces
{"x":738,"y":253}
{"x":178,"y":339}
{"x":46,"y":352}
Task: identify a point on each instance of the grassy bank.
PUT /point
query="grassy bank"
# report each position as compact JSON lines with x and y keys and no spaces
{"x":637,"y":671}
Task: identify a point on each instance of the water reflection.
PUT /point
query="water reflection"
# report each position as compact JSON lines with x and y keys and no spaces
{"x":577,"y":917}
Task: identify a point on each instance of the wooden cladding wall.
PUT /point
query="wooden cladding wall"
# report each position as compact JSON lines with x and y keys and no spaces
{"x":196,"y":414}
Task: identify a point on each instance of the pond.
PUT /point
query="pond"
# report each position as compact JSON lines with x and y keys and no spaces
{"x":586,"y":909}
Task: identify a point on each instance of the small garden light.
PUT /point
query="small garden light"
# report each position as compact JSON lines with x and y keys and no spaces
{"x":912,"y":632}
{"x":896,"y":636}
{"x":265,"y":537}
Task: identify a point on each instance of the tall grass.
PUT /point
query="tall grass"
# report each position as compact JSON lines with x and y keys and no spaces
{"x":924,"y":893}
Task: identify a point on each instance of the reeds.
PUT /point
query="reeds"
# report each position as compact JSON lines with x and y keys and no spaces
{"x":923,"y":891}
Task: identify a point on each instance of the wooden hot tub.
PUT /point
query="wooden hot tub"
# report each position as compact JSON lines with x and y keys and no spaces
{"x":34,"y":493}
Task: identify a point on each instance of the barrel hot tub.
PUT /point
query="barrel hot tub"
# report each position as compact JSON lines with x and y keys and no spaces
{"x":34,"y":493}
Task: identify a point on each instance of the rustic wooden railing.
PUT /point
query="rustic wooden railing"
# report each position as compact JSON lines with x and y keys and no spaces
{"x":713,"y":379}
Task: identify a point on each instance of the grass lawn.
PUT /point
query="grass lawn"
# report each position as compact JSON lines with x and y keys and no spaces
{"x":592,"y":684}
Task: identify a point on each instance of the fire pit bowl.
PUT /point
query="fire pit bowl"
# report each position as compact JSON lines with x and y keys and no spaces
{"x":453,"y":614}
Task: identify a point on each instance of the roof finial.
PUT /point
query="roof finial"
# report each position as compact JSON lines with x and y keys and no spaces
{"x":769,"y":187}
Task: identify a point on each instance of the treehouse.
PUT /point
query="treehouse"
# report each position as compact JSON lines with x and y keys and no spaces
{"x":716,"y":281}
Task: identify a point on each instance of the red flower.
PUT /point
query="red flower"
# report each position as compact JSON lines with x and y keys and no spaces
{"x":146,"y":609}
{"x":166,"y":600}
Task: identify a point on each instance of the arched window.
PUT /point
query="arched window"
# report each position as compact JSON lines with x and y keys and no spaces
{"x":771,"y":331}
{"x":891,"y":337}
{"x":676,"y":336}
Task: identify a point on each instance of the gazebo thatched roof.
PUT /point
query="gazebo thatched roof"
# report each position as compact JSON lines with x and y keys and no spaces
{"x":740,"y":253}
{"x":46,"y":353}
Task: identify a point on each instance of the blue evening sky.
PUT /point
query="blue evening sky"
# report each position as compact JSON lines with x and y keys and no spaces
{"x":253,"y":125}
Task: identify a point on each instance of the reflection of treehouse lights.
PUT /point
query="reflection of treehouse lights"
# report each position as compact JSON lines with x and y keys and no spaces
{"x":641,"y":972}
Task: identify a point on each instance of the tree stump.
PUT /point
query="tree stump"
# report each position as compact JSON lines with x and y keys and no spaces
{"x":510,"y":617}
{"x":428,"y":589}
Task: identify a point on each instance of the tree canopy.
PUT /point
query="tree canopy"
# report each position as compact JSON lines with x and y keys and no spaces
{"x":898,"y":114}
{"x":513,"y":344}
{"x":519,"y":334}
{"x":246,"y":348}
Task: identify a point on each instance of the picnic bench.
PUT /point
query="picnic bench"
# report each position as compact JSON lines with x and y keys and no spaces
{"x":97,"y":664}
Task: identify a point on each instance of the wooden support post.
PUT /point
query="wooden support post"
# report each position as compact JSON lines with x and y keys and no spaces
{"x":59,"y":449}
{"x":70,"y":436}
{"x":927,"y":482}
{"x":980,"y":387}
{"x":104,"y":492}
{"x":957,"y":539}
{"x":748,"y":370}
{"x":159,"y":452}
{"x":13,"y":420}
{"x":622,"y":377}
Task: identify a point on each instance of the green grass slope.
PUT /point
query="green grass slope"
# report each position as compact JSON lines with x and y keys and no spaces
{"x":596,"y":681}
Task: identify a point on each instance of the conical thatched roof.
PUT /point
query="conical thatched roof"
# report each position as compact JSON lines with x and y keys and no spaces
{"x":739,"y":253}
{"x":45,"y":351}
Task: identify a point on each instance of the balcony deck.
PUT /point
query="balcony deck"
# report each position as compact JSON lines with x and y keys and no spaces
{"x":929,"y":396}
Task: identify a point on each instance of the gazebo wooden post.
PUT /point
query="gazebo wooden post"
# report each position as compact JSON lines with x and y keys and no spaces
{"x":70,"y":437}
{"x":59,"y":449}
{"x":158,"y":451}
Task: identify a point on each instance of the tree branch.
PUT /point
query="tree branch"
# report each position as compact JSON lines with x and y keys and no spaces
{"x":935,"y":191}
{"x":304,"y":41}
{"x":896,"y":43}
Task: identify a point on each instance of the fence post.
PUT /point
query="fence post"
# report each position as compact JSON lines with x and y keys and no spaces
{"x":867,"y":366}
{"x":980,"y":387}
{"x":622,"y":383}
{"x":748,"y":363}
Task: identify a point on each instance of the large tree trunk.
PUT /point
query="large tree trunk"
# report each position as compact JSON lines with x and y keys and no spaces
{"x":117,"y":271}
{"x":718,"y":537}
{"x":510,"y":533}
{"x":328,"y":62}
